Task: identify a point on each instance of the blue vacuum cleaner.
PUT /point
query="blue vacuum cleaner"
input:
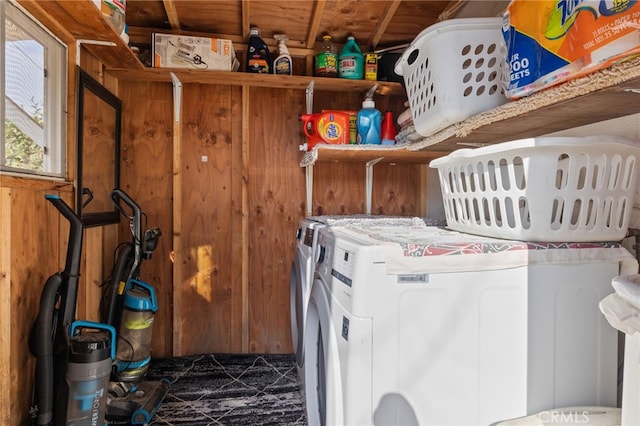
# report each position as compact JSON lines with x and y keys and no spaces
{"x":129,"y":305}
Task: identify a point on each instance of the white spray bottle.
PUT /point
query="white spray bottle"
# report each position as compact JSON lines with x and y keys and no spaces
{"x":283,"y":64}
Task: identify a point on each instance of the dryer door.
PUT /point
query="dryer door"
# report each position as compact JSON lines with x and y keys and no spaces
{"x":323,"y":389}
{"x":295,"y":305}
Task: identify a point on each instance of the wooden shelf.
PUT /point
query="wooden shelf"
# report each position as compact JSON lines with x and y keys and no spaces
{"x":362,"y":154}
{"x":603,"y":95}
{"x":605,"y":104}
{"x":80,"y":20}
{"x":257,"y":80}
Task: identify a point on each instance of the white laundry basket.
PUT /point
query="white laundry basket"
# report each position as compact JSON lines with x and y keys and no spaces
{"x":542,"y":189}
{"x":453,"y":70}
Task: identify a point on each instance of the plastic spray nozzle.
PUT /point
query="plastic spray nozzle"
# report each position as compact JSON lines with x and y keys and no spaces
{"x":371,"y":92}
{"x":368,"y":100}
{"x":281,"y":39}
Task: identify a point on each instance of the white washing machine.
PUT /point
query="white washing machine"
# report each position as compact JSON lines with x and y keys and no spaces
{"x":303,"y":265}
{"x":474,"y":332}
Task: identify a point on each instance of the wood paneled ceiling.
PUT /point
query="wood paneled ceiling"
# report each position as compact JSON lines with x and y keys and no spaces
{"x":375,"y":24}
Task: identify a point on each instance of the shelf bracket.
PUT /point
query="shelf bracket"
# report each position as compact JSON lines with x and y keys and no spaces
{"x":309,"y":168}
{"x":368,"y":183}
{"x":177,"y":97}
{"x":84,"y":41}
{"x":309,"y":183}
{"x":309,"y":96}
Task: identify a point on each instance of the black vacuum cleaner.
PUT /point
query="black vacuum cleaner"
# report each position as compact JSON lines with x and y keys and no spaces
{"x":129,"y":305}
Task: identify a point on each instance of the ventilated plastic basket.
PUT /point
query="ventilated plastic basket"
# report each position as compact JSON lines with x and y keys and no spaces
{"x":550,"y":189}
{"x":453,"y":70}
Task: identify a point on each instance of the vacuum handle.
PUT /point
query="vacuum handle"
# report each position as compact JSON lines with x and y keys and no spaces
{"x":97,"y":326}
{"x":119,"y":194}
{"x":64,"y":209}
{"x":135,"y":224}
{"x":69,"y":289}
{"x":149,"y":288}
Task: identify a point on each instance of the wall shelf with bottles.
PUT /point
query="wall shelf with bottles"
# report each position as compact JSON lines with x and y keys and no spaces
{"x":257,"y":80}
{"x":609,"y":94}
{"x":603,"y":95}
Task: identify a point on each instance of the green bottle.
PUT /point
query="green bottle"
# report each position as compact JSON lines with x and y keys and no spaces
{"x":327,"y":59}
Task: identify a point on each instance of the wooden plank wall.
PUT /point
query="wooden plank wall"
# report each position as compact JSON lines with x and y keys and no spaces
{"x":36,"y":234}
{"x":209,"y":294}
{"x":275,"y":203}
{"x":241,"y":195}
{"x":145,"y":166}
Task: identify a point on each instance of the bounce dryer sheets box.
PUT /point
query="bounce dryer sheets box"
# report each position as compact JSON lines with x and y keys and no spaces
{"x":551,"y":41}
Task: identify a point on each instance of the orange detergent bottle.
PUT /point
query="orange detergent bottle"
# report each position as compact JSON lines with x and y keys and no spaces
{"x":325,"y":127}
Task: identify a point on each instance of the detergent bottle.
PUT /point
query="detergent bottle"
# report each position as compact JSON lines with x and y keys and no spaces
{"x":283,"y":64}
{"x":351,"y":60}
{"x":258,"y":56}
{"x":388,"y":129}
{"x":369,"y":121}
{"x":326,"y":127}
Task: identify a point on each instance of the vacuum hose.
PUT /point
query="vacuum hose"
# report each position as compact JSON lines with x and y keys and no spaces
{"x":56,"y":314}
{"x":111,"y":308}
{"x":72,"y":263}
{"x":44,"y":349}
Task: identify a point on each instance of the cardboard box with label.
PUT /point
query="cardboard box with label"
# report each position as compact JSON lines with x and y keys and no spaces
{"x":199,"y":53}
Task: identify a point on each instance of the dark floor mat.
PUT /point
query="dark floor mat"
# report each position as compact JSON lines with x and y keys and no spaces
{"x":224,"y":389}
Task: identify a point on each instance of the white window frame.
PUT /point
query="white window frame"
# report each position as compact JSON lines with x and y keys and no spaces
{"x":55,"y":87}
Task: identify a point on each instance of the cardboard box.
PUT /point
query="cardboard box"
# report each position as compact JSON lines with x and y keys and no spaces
{"x":200,"y":53}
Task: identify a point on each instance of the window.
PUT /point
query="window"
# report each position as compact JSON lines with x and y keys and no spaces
{"x":33,"y":81}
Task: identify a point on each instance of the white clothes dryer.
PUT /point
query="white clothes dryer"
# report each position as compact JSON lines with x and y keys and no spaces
{"x":474,"y":331}
{"x":302,"y":269}
{"x":303,"y":265}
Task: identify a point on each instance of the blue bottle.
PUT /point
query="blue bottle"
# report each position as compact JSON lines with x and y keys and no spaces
{"x":369,"y":121}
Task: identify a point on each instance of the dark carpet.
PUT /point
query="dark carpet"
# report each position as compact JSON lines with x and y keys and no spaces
{"x":226,"y":389}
